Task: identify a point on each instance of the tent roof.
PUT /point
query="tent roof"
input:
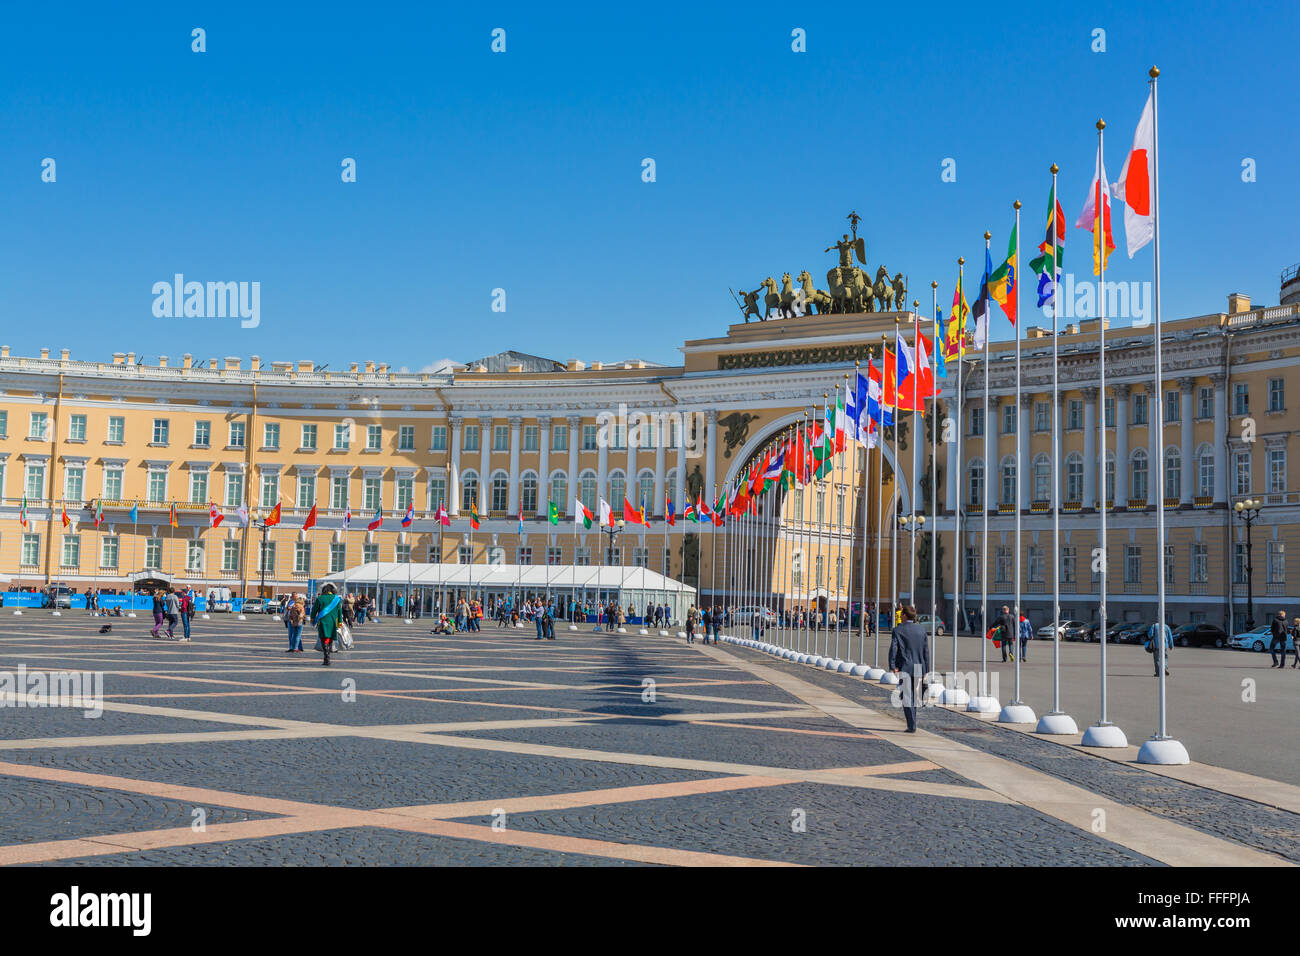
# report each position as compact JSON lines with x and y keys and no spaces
{"x":510,"y":575}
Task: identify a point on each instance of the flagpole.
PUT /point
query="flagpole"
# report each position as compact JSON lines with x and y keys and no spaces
{"x":957,"y":693}
{"x":880,"y":500}
{"x":1160,"y":749}
{"x":898,"y":497}
{"x":1017,"y":711}
{"x":985,"y":702}
{"x":1056,"y":722}
{"x":914,"y":482}
{"x":1103,"y":733}
{"x":841,"y":506}
{"x":934,"y":484}
{"x":866,"y":480}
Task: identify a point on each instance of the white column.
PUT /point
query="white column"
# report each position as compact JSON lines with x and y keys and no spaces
{"x":544,"y":469}
{"x":1024,"y":466}
{"x":516,"y":424}
{"x":1092,"y":411}
{"x":661,"y":453}
{"x":1121,"y":445}
{"x":453,"y":469}
{"x":1220,"y":381}
{"x":1187,"y":486}
{"x":679,"y":492}
{"x":710,"y":455}
{"x":485,"y":464}
{"x":575,"y":485}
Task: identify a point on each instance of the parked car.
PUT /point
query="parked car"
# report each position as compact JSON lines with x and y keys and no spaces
{"x":261,"y":606}
{"x":1200,"y":635}
{"x":766,"y":618}
{"x":1075,"y":631}
{"x":1258,"y":639}
{"x":1093,"y":628}
{"x":57,"y":596}
{"x":1044,"y":633}
{"x":1134,"y":632}
{"x":924,"y":621}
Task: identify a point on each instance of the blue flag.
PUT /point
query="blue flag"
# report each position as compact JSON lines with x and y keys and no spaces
{"x":940,"y":346}
{"x":135,"y":515}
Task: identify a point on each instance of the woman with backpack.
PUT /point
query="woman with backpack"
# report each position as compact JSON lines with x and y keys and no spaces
{"x":293,"y":619}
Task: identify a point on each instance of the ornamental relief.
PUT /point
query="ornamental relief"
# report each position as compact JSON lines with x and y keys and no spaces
{"x":813,"y":355}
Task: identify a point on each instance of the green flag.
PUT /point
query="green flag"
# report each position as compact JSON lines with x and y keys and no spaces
{"x":554,"y":514}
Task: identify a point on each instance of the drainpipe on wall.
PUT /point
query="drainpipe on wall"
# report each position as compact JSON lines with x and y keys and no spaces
{"x":1227,"y":478}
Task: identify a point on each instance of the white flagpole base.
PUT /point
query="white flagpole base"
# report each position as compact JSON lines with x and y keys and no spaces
{"x":956,"y":696}
{"x":1104,"y":735}
{"x":1056,"y":724}
{"x":663,"y":633}
{"x":860,"y":670}
{"x":205,"y":616}
{"x":58,"y":614}
{"x":846,"y":667}
{"x":622,"y":630}
{"x":934,"y":693}
{"x":243,"y":617}
{"x":1163,"y":750}
{"x":681,"y":634}
{"x":833,"y":664}
{"x":874,"y":673}
{"x":983,"y":705}
{"x":276,"y":617}
{"x":889,"y":677}
{"x":129,"y":614}
{"x":1017,"y":713}
{"x":409,"y":620}
{"x":573,"y":627}
{"x":643,"y":631}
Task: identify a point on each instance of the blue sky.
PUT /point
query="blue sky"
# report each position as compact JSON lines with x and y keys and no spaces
{"x":522,"y":170}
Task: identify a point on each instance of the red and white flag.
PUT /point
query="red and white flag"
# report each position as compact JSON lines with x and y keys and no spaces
{"x":1136,"y":181}
{"x":214,"y":514}
{"x":442,"y":517}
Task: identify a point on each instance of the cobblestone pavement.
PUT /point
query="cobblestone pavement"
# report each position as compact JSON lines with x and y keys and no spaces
{"x":595,"y":749}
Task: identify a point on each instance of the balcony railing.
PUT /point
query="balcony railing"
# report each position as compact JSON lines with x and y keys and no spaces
{"x":1006,"y":509}
{"x":1040,"y":507}
{"x":1203,"y":501}
{"x":1136,"y":504}
{"x":1072,"y":506}
{"x":1171,"y":502}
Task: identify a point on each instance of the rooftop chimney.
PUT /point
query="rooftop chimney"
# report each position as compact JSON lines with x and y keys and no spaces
{"x":1238,"y":302}
{"x":255,"y":363}
{"x":576,"y":365}
{"x":63,"y":354}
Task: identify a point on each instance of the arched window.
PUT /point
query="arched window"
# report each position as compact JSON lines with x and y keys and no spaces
{"x":975,"y":483}
{"x":1173,"y":473}
{"x":1138,"y":473}
{"x":588,"y":485}
{"x":500,"y":491}
{"x":1042,"y":478}
{"x":560,"y":491}
{"x":1008,"y":471}
{"x":646,"y":491}
{"x":1074,"y":477}
{"x":528,"y":492}
{"x":1205,"y":471}
{"x":617,"y":489}
{"x":468,"y":491}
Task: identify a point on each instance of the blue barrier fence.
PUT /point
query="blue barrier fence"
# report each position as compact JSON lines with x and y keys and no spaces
{"x":127,"y":602}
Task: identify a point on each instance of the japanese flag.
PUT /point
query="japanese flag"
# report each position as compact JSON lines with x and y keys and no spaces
{"x":1136,"y":182}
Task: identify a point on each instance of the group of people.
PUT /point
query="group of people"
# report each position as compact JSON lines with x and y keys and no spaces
{"x":170,"y":606}
{"x":712,"y":620}
{"x":1279,"y":631}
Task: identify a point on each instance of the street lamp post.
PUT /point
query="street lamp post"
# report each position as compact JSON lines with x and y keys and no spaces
{"x":1248,"y":511}
{"x":614,"y":530}
{"x":915,"y":523}
{"x":261,"y":559}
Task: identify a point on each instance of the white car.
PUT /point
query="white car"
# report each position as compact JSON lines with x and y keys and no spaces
{"x":1044,"y":633}
{"x":924,"y":621}
{"x":744,"y":615}
{"x":1260,"y":639}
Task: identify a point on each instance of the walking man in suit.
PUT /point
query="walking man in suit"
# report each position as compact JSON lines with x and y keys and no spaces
{"x":1277,"y":646}
{"x":909,"y":659}
{"x":1009,"y":632}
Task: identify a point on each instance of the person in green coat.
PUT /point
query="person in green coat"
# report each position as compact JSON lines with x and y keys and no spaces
{"x":326,"y":612}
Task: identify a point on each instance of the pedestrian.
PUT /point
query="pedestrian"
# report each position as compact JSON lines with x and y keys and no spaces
{"x":326,"y":614}
{"x":1277,"y":646}
{"x":293,"y":620}
{"x":1026,"y":634}
{"x":1008,"y":625}
{"x":158,"y":606}
{"x":1295,"y":643}
{"x":909,"y":659}
{"x":188,"y":607}
{"x":171,"y":611}
{"x":349,"y":610}
{"x":548,"y":618}
{"x":1154,"y":650}
{"x":692,"y":617}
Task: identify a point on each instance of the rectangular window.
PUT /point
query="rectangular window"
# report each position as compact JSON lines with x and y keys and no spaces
{"x":588,"y":437}
{"x":161,"y":431}
{"x":108,"y":551}
{"x":582,"y":557}
{"x":270,"y":489}
{"x":202,"y":434}
{"x":1241,"y":471}
{"x":406,"y":438}
{"x":234,"y":489}
{"x":309,"y":437}
{"x":1173,"y":407}
{"x":1008,"y":419}
{"x":339,"y":492}
{"x":153,"y":552}
{"x":1068,"y":559}
{"x":437,"y":493}
{"x":1276,"y":395}
{"x":1239,"y":563}
{"x":271,"y":435}
{"x":977,"y":421}
{"x":1042,"y":416}
{"x":35,"y":481}
{"x":524,"y":556}
{"x":973,"y":566}
{"x":1110,"y":411}
{"x":530,"y":437}
{"x":113,"y":484}
{"x":1075,"y":416}
{"x":372,"y":490}
{"x":230,"y":556}
{"x":194,"y":556}
{"x":402,"y":553}
{"x":559,"y":438}
{"x":1276,"y":559}
{"x":438,"y":438}
{"x":338,"y":557}
{"x":302,"y":557}
{"x":1205,"y":402}
{"x":1241,"y":398}
{"x":71,"y":557}
{"x":1276,"y":471}
{"x":465,"y":554}
{"x":1169,"y":565}
{"x":4,"y":424}
{"x":267,"y":551}
{"x":369,"y":553}
{"x":1140,"y":410}
{"x":374,"y":437}
{"x":340,"y":437}
{"x":471,"y":438}
{"x":237,"y":434}
{"x":157,"y":486}
{"x":405,"y":494}
{"x":1132,"y":564}
{"x":554,"y":555}
{"x":500,"y":437}
{"x":116,"y":429}
{"x":31,"y":555}
{"x":306,"y":490}
{"x":77,"y":428}
{"x":39,"y":427}
{"x":73,"y":482}
{"x":1198,"y":571}
{"x":198,"y":487}
{"x":1004,"y":566}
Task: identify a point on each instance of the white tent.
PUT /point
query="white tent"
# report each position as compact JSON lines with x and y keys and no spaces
{"x":444,"y":582}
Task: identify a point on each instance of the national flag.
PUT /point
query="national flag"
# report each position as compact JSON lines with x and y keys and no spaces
{"x":630,"y":514}
{"x":1002,"y":284}
{"x":702,"y":513}
{"x":669,"y":514}
{"x":347,"y":518}
{"x":1136,"y":182}
{"x":272,"y":519}
{"x":877,"y":410}
{"x":242,"y":513}
{"x":954,"y":339}
{"x":582,"y":514}
{"x":837,"y":419}
{"x":689,"y":513}
{"x":720,"y":508}
{"x":521,"y":517}
{"x":1052,"y":250}
{"x":176,"y":524}
{"x":889,"y":371}
{"x":64,"y":506}
{"x":873,"y":434}
{"x":906,"y":370}
{"x":606,"y":513}
{"x":645,"y":517}
{"x":473,"y":517}
{"x":134,"y":514}
{"x":552,"y":512}
{"x":441,"y":515}
{"x":940,"y":346}
{"x":99,"y":511}
{"x":377,"y":521}
{"x":22,"y":513}
{"x":215,"y":517}
{"x":981,"y":310}
{"x":310,"y":521}
{"x":758,"y":475}
{"x":775,"y":465}
{"x":925,"y":385}
{"x":1096,"y":217}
